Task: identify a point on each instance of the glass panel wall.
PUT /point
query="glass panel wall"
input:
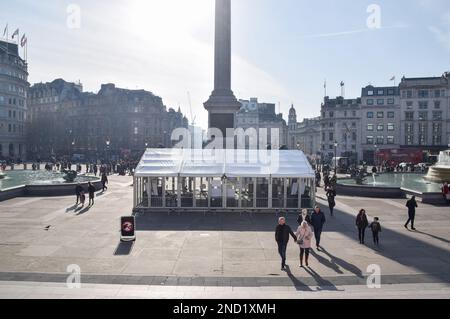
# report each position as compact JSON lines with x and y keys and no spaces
{"x":201,"y":192}
{"x":216,"y":192}
{"x":232,"y":192}
{"x":262,"y":193}
{"x":307,"y":195}
{"x":292,"y":193}
{"x":156,"y":192}
{"x":278,"y":192}
{"x":171,"y":192}
{"x":247,"y":194}
{"x":187,"y":192}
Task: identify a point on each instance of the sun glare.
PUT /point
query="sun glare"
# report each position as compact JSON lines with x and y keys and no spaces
{"x":167,"y":18}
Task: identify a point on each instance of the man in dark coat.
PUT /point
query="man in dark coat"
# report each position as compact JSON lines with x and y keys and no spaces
{"x":78,"y":190}
{"x":317,"y":222}
{"x":91,"y":191}
{"x":282,"y":233}
{"x":412,"y":205}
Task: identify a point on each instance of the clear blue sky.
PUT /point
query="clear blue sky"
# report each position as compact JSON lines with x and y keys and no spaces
{"x":283,"y":50}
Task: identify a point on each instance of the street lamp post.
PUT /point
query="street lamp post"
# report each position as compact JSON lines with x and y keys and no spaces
{"x":108,"y":143}
{"x":335,"y":157}
{"x":375,"y":155}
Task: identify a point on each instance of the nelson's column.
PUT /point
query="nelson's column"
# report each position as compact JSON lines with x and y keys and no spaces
{"x":222,"y":104}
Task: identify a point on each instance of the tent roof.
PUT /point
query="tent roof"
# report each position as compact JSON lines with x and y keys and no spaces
{"x":217,"y":163}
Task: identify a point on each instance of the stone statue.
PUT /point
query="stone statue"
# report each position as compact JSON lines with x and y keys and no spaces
{"x":70,"y":176}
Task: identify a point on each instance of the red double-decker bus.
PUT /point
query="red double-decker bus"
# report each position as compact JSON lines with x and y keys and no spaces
{"x":393,"y":157}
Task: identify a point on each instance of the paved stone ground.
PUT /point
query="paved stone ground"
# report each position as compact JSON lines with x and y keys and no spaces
{"x":213,"y":255}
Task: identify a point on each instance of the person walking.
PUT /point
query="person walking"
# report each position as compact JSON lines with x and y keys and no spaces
{"x":78,"y":190}
{"x":361,"y":224}
{"x":412,"y":205}
{"x":82,"y":198}
{"x":317,"y":222}
{"x":304,"y":236}
{"x":331,"y":195}
{"x":95,"y":170}
{"x":303,"y":216}
{"x":104,"y":182}
{"x":375,"y":226}
{"x":282,"y":233}
{"x":91,"y":191}
{"x":446,"y":192}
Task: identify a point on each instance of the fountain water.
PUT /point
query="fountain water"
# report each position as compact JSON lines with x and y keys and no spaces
{"x":440,"y":172}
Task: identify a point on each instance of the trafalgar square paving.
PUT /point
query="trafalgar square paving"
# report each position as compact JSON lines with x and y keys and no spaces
{"x":230,"y":255}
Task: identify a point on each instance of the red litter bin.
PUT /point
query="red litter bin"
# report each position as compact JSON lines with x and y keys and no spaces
{"x":127,"y":229}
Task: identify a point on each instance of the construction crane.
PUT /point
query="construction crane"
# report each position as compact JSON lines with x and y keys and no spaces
{"x":190,"y":108}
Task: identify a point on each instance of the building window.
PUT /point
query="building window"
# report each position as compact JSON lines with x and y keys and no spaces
{"x":331,"y":114}
{"x":331,"y":137}
{"x":370,"y":93}
{"x":370,"y":102}
{"x":380,"y":115}
{"x":391,"y":115}
{"x":409,"y":94}
{"x":390,"y":101}
{"x":423,"y":116}
{"x":423,"y":128}
{"x":437,"y":134}
{"x":380,"y":127}
{"x":354,"y":113}
{"x":370,"y":127}
{"x":437,"y":93}
{"x":369,"y":140}
{"x":380,"y":140}
{"x":423,"y":94}
{"x":380,"y":102}
{"x":423,"y":105}
{"x":409,"y":116}
{"x":391,"y":127}
{"x":370,"y":115}
{"x":437,"y":115}
{"x":390,"y":140}
{"x":391,"y":92}
{"x":437,"y":104}
{"x":380,"y":92}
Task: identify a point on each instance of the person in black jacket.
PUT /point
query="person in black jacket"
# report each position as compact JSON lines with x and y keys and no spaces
{"x":78,"y":190}
{"x":282,"y":233}
{"x":91,"y":191}
{"x":331,"y":195}
{"x":361,"y":224}
{"x":317,"y":222}
{"x":412,"y":205}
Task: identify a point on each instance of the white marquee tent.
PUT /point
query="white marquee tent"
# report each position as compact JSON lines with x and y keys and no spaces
{"x":223,"y":180}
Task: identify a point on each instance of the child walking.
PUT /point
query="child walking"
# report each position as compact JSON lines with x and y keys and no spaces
{"x":375,"y":226}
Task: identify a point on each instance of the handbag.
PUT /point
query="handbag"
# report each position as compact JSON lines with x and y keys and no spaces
{"x":300,"y":240}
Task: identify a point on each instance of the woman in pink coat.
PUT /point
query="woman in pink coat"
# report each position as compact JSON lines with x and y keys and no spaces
{"x":304,"y":235}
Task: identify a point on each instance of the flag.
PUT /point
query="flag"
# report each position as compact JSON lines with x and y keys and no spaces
{"x":23,"y":41}
{"x":15,"y":33}
{"x":6,"y":30}
{"x":342,"y":83}
{"x":393,"y":78}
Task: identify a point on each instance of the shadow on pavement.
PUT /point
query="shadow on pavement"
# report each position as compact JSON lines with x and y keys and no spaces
{"x":124,"y":249}
{"x":401,"y":246}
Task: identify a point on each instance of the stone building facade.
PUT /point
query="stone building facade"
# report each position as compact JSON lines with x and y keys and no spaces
{"x":110,"y":124}
{"x":304,"y":135}
{"x":340,"y":128}
{"x":13,"y":102}
{"x":262,"y":116}
{"x":425,"y":112}
{"x":380,"y":120}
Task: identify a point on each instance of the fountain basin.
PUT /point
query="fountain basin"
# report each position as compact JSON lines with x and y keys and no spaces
{"x":393,"y":185}
{"x":40,"y":183}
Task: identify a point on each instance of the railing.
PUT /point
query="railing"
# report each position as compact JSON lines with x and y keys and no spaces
{"x":156,"y":201}
{"x":262,"y":202}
